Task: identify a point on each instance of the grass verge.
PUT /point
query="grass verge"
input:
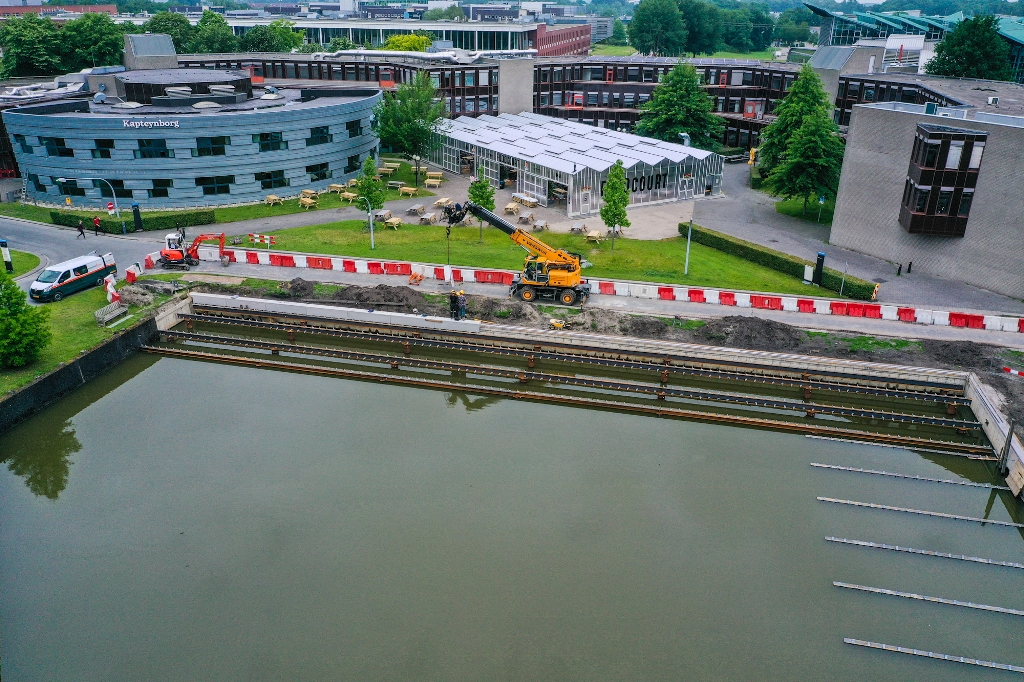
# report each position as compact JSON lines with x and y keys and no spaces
{"x":795,"y":209}
{"x":660,"y":261}
{"x":23,"y":262}
{"x":604,"y":50}
{"x":763,"y":55}
{"x":74,"y":330}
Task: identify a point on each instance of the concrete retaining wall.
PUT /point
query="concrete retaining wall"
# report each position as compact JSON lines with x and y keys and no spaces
{"x":996,"y":428}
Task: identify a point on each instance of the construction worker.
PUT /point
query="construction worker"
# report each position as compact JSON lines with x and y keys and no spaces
{"x":453,"y":304}
{"x":462,"y":305}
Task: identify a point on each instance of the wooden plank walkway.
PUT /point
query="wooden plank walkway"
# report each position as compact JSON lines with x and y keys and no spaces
{"x":921,"y":512}
{"x":933,"y":654}
{"x":924,"y":597}
{"x":909,"y":477}
{"x":925,"y":552}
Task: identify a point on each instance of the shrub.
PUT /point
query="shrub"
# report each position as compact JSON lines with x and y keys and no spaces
{"x":24,"y":329}
{"x":150,"y":221}
{"x":781,"y":262}
{"x":755,"y":178}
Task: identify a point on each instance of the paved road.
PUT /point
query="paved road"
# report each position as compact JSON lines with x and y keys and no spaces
{"x":646,"y":306}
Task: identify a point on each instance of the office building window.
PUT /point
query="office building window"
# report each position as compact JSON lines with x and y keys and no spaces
{"x":153,"y":149}
{"x":220,"y":184}
{"x":543,"y":100}
{"x":211,"y":146}
{"x":118,"y":189}
{"x":353,"y":164}
{"x":354,"y":128}
{"x":37,"y":183}
{"x":160,"y":188}
{"x":102,"y":150}
{"x":920,"y":202}
{"x":976,"y":152}
{"x":322,"y":135}
{"x":319,"y":171}
{"x":26,"y":148}
{"x":943,"y":204}
{"x":270,"y":142}
{"x":55,"y":146}
{"x":272,"y":179}
{"x":470,"y":79}
{"x":965,"y":204}
{"x":591,"y":99}
{"x":483,"y":103}
{"x":69,"y":188}
{"x":956,"y":150}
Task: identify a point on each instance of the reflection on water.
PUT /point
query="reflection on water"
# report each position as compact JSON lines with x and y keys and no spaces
{"x":471,"y":404}
{"x":44,"y":463}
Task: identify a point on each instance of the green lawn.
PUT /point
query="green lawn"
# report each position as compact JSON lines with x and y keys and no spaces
{"x":795,"y":208}
{"x":660,"y":261}
{"x":74,"y":330}
{"x":23,"y":262}
{"x":233,"y":213}
{"x":764,"y":55}
{"x":603,"y":50}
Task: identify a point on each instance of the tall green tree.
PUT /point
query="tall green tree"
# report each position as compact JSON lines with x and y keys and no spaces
{"x":973,"y":49}
{"x":213,"y":36}
{"x":369,"y":186}
{"x":260,"y":39}
{"x":619,"y":36}
{"x":407,"y":43}
{"x":341,"y":43}
{"x":703,"y":26}
{"x":616,"y":198}
{"x":408,"y":120}
{"x":657,"y":28}
{"x":31,"y":46}
{"x":92,"y":40}
{"x":173,"y":24}
{"x":24,"y":329}
{"x":288,"y":37}
{"x":679,"y":105}
{"x":812,"y":163}
{"x":805,"y":98}
{"x":482,"y":194}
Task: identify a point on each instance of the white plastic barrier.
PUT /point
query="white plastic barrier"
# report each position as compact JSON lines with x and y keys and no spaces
{"x":362,"y":268}
{"x":621,"y":289}
{"x":923,"y":316}
{"x":468,"y":275}
{"x":742,"y":300}
{"x":643,"y":291}
{"x":711,"y":296}
{"x":424,"y":270}
{"x":1011,"y":324}
{"x":889,"y":312}
{"x":822,"y":307}
{"x":993,"y":322}
{"x":263,"y":257}
{"x":681,"y":293}
{"x":940,"y":317}
{"x":789,"y":304}
{"x":210,"y":254}
{"x":300,"y":262}
{"x":338,"y":264}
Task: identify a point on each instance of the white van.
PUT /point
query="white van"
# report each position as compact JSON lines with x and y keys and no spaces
{"x":62,"y":279}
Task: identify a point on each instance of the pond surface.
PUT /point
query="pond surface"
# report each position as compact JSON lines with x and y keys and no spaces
{"x":177,"y":520}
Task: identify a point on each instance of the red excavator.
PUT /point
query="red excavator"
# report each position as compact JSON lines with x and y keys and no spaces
{"x":177,"y":255}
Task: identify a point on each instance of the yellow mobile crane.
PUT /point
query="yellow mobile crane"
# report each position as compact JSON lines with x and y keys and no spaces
{"x":548,"y":273}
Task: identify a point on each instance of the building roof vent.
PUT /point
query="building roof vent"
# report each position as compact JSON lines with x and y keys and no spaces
{"x":994,"y":101}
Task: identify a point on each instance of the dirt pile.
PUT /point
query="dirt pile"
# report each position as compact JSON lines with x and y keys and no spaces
{"x":298,"y":287}
{"x":958,"y":354}
{"x":642,"y":327}
{"x":400,"y":299}
{"x":752,"y":333}
{"x":135,"y":295}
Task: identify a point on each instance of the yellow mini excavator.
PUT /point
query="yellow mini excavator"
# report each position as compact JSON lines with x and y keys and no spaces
{"x":548,"y":274}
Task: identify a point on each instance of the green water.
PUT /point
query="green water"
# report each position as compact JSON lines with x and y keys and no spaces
{"x":186,"y":521}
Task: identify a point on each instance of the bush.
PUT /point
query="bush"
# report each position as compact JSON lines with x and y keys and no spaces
{"x":24,"y":329}
{"x":150,"y":221}
{"x":755,"y":178}
{"x":781,"y":262}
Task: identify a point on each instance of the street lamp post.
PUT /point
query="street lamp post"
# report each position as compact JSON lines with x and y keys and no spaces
{"x":117,"y":209}
{"x":369,"y":215}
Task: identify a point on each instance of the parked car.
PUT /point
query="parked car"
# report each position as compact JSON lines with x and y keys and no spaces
{"x":63,"y":279}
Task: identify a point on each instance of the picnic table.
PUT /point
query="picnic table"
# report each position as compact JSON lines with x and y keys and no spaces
{"x":310,"y":194}
{"x":392,"y":166}
{"x":594,"y":236}
{"x":395,"y":184}
{"x":526,"y":217}
{"x":578,"y":228}
{"x":432,"y":182}
{"x":382,"y":214}
{"x":273,"y":199}
{"x":411,"y":191}
{"x":353,"y":182}
{"x":435,"y":175}
{"x":307,"y":203}
{"x":416,"y":208}
{"x":393,"y":223}
{"x":442,"y":202}
{"x":385,"y":171}
{"x":428,"y":218}
{"x":526,"y":200}
{"x":512,"y":208}
{"x":335,"y":188}
{"x":540,"y":226}
{"x":351,"y":196}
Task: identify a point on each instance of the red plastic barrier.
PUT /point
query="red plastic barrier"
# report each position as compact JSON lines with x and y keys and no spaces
{"x":348,"y":265}
{"x":319,"y":263}
{"x":838,"y":307}
{"x":456,"y":275}
{"x":766,"y":302}
{"x":666,"y":293}
{"x":958,"y":319}
{"x":607,"y":288}
{"x":507,"y":277}
{"x":491,"y":276}
{"x":906,"y":314}
{"x":805,"y":305}
{"x":252,"y":257}
{"x":1020,"y":325}
{"x":398,"y":268}
{"x":375,"y":268}
{"x":976,"y":321}
{"x":439,"y":273}
{"x":230,"y":255}
{"x":726,"y":298}
{"x":282,"y":260}
{"x":129,"y":276}
{"x":855,"y":309}
{"x":696,"y":295}
{"x":873,"y":311}
{"x":149,"y":262}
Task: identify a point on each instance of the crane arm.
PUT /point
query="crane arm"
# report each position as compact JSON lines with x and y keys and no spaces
{"x":524,"y":239}
{"x":194,"y":249}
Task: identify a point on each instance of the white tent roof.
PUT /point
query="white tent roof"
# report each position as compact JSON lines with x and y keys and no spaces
{"x":563,"y":145}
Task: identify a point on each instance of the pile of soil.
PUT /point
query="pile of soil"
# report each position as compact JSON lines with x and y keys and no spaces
{"x":399,"y":299}
{"x":957,"y":354}
{"x":135,"y":295}
{"x":298,"y":287}
{"x":753,"y":333}
{"x":642,"y":327}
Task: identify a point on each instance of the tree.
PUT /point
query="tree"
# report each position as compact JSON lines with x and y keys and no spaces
{"x":703,"y":26}
{"x":407,"y":43}
{"x":658,"y":29}
{"x":310,"y":48}
{"x":619,"y":36}
{"x":288,"y":38}
{"x":454,"y":13}
{"x":482,"y":194}
{"x":370,"y":188}
{"x":812,"y":163}
{"x":679,"y":105}
{"x":805,"y":98}
{"x":616,"y":198}
{"x":31,"y":47}
{"x":762,"y":26}
{"x":173,"y":24}
{"x":24,"y":329}
{"x":213,"y":36}
{"x":737,"y":30}
{"x":973,"y":49}
{"x":408,"y":120}
{"x":92,"y":40}
{"x":340,"y":43}
{"x":260,"y":39}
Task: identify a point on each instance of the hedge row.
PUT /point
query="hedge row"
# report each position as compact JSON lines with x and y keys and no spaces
{"x":150,"y":221}
{"x":782,"y":262}
{"x":756,"y":181}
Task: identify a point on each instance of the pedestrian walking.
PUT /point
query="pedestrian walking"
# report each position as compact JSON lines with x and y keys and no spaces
{"x":96,"y":226}
{"x":453,"y":305}
{"x":462,"y":305}
{"x":81,"y":230}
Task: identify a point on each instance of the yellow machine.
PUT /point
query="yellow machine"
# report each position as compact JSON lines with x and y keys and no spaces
{"x":548,"y":273}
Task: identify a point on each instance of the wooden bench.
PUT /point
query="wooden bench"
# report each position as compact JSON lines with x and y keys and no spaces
{"x":273,"y":199}
{"x":310,"y":194}
{"x":435,"y":175}
{"x":432,"y":182}
{"x":351,"y":196}
{"x":428,"y":218}
{"x":385,"y":171}
{"x":395,"y":184}
{"x":393,"y":166}
{"x":442,"y":202}
{"x":540,"y":226}
{"x":415,"y":209}
{"x":594,"y":236}
{"x":526,"y":217}
{"x":381,"y":215}
{"x":512,"y":208}
{"x":353,"y":182}
{"x":335,"y":188}
{"x":393,"y":223}
{"x":578,"y":228}
{"x":411,"y":191}
{"x":308,"y":203}
{"x":110,"y":312}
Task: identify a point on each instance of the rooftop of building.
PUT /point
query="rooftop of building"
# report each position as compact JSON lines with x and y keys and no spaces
{"x":972,"y":93}
{"x":180,"y":76}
